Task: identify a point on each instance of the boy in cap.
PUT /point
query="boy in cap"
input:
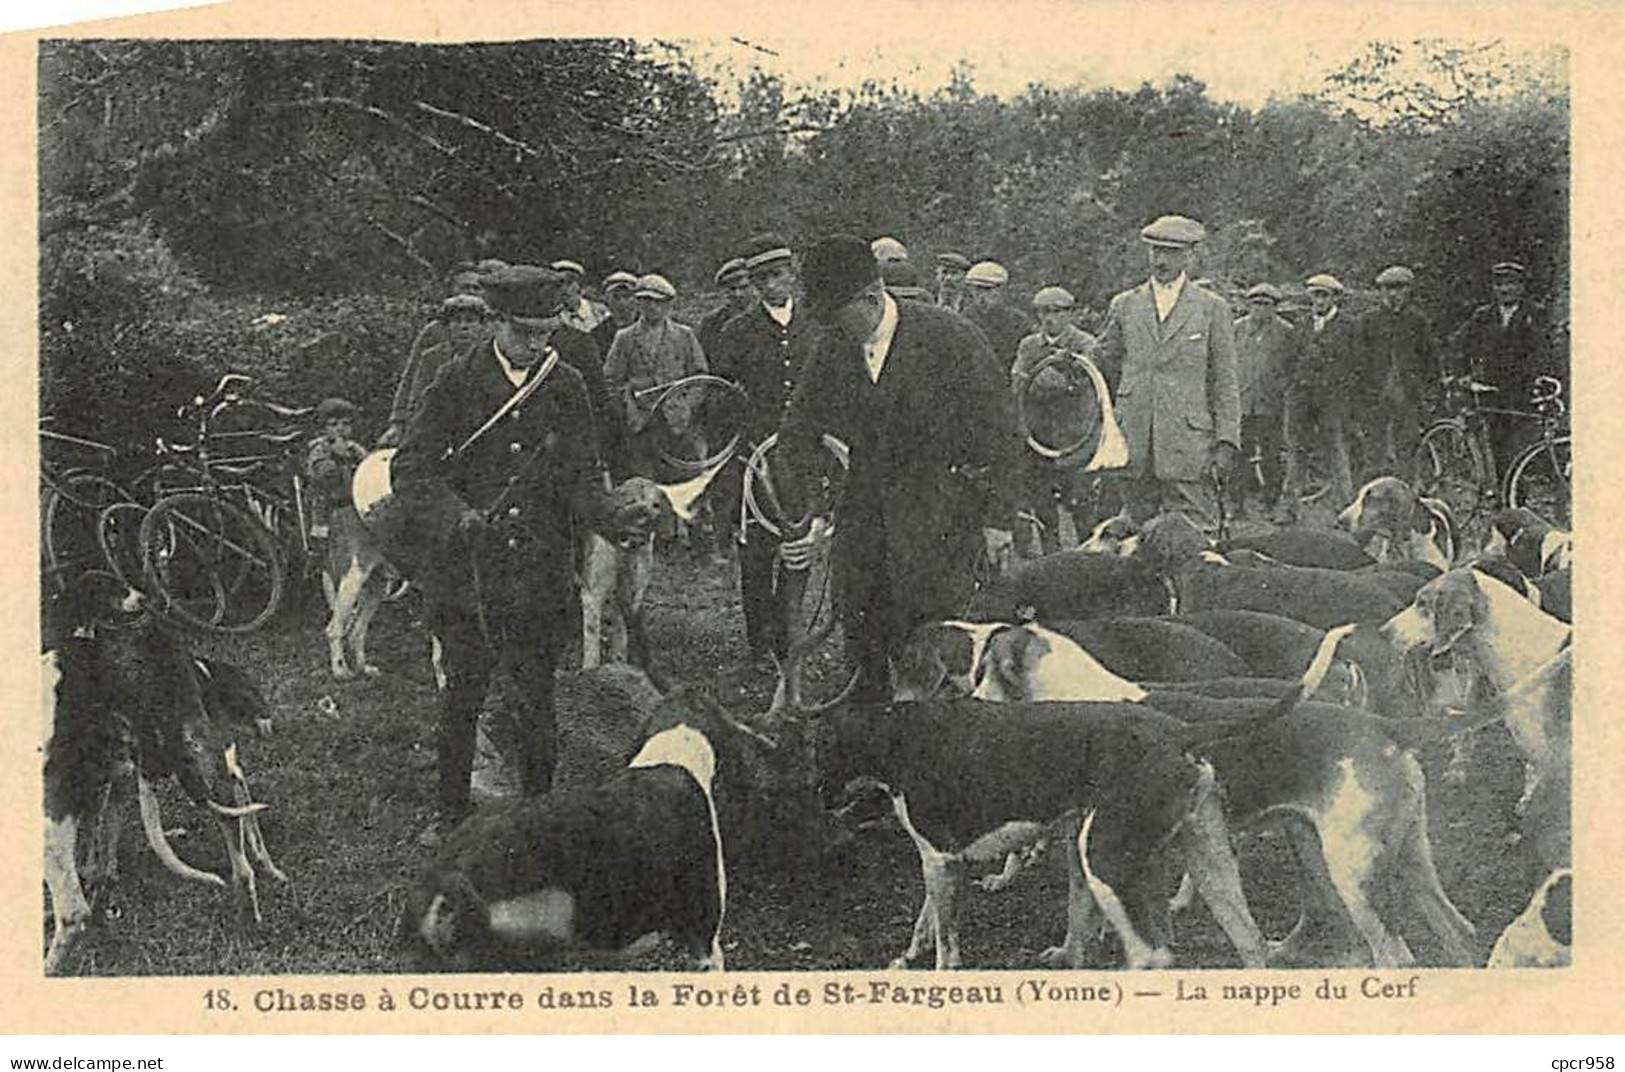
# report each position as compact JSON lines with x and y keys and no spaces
{"x":1054,"y":486}
{"x":331,"y":460}
{"x":1402,"y":373}
{"x":766,"y":347}
{"x":1326,"y":379}
{"x":951,"y":269}
{"x":1168,"y":351}
{"x":497,"y":470}
{"x":1507,"y":344}
{"x":655,"y":351}
{"x":1265,"y":347}
{"x":912,"y":390}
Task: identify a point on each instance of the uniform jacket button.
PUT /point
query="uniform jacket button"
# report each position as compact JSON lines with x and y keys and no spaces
{"x":513,"y":511}
{"x":515,"y":447}
{"x":513,"y":543}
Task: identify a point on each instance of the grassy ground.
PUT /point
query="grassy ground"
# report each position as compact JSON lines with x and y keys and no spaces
{"x":349,"y":773}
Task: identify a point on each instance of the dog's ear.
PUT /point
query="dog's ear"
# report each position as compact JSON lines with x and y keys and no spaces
{"x":1456,"y":610}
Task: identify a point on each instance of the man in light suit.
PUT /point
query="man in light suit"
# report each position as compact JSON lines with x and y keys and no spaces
{"x":1168,"y":351}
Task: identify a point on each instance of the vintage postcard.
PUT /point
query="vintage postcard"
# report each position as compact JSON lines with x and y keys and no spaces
{"x":881,"y":517}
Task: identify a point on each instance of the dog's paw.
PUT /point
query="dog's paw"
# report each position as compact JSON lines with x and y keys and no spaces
{"x":1061,"y":956}
{"x":899,"y":963}
{"x":342,"y":672}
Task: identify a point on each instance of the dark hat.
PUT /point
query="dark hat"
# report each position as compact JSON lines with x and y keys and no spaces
{"x":834,"y":271}
{"x":1512,"y":268}
{"x":1175,"y":232}
{"x":765,"y":249}
{"x":953,"y":260}
{"x":731,"y":272}
{"x":331,"y":409}
{"x":524,"y":290}
{"x":902,"y":280}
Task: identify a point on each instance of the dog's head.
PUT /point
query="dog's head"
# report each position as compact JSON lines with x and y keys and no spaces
{"x":446,"y":924}
{"x":1385,"y":505}
{"x":638,"y":506}
{"x":1171,"y":544}
{"x":939,"y":659}
{"x":94,"y":598}
{"x":1114,"y":536}
{"x":1031,"y":662}
{"x":1525,"y":539}
{"x":1445,"y":613}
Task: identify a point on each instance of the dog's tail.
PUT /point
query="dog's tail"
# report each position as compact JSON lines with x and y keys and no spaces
{"x":1313,"y":677}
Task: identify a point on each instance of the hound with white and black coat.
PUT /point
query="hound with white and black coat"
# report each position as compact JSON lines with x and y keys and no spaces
{"x":1396,"y":524}
{"x":124,"y":699}
{"x":972,"y":782}
{"x":1354,"y":803}
{"x":1529,"y":542}
{"x":1289,"y":546}
{"x":1518,"y":664}
{"x":593,"y":871}
{"x":1543,"y":934}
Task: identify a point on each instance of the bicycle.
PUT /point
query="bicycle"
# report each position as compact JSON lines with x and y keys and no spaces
{"x":216,"y":545}
{"x":73,"y":495}
{"x":1453,"y":461}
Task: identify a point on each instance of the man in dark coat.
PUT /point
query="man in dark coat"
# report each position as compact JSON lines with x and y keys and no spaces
{"x":765,"y":348}
{"x":1264,"y":357}
{"x":1319,"y":402}
{"x":984,"y":306}
{"x":460,"y":321}
{"x":734,"y":279}
{"x":911,"y":389}
{"x":495,"y":467}
{"x":1401,"y":374}
{"x":1506,"y":344}
{"x":618,"y":288}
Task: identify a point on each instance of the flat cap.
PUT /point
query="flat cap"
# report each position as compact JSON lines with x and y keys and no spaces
{"x":656,"y":286}
{"x":489,"y":265}
{"x":765,"y":249}
{"x":1267,"y":291}
{"x":1508,"y":268}
{"x":1053,"y":298}
{"x":1324,"y":281}
{"x":887,"y":248}
{"x":1396,"y":275}
{"x":568,"y":268}
{"x":953,"y":260}
{"x":986,"y":274}
{"x":330,"y":409}
{"x":834,"y":271}
{"x":902,"y":281}
{"x":1174,"y":232}
{"x":523,"y":290}
{"x":618,"y":280}
{"x":466,"y":304}
{"x":731,"y":272}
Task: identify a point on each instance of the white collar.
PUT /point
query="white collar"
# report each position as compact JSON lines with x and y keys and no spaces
{"x":878,"y":345}
{"x":1322,"y":321}
{"x":1173,"y":287}
{"x":516,"y":376}
{"x":1164,"y":296}
{"x":781,"y":314}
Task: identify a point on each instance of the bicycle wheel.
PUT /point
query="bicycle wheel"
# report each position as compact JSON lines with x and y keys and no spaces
{"x":1539,"y":480}
{"x":69,"y":518}
{"x":211,"y":564}
{"x":1449,"y":464}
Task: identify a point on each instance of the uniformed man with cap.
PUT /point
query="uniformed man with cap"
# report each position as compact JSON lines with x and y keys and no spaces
{"x":1047,"y":401}
{"x":1168,"y":350}
{"x":951,"y":269}
{"x":912,"y":390}
{"x":655,"y":351}
{"x":740,"y":295}
{"x":583,"y":314}
{"x":459,"y":321}
{"x":493,"y":466}
{"x":1402,"y":372}
{"x":1265,"y":349}
{"x":767,"y":347}
{"x":1507,"y":344}
{"x":1326,"y":380}
{"x":984,"y":306}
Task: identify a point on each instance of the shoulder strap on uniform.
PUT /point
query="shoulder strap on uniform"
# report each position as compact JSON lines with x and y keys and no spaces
{"x":513,"y":400}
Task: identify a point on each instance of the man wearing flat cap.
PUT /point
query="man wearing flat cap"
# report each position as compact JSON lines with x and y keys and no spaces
{"x":618,"y":290}
{"x":984,"y":306}
{"x":1320,"y":398}
{"x":496,"y":468}
{"x":651,"y":353}
{"x":1507,"y":344}
{"x":1047,"y":411}
{"x":739,"y":295}
{"x":1168,"y":349}
{"x":886,"y":248}
{"x":583,"y":314}
{"x":1402,"y":371}
{"x":767,"y":347}
{"x":1265,"y":350}
{"x":912,"y":390}
{"x":460,"y":319}
{"x":951,"y":269}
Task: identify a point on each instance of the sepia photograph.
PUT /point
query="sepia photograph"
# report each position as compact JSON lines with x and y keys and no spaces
{"x":636,"y":503}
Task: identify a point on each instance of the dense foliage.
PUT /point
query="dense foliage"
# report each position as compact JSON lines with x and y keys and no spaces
{"x":187,"y":188}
